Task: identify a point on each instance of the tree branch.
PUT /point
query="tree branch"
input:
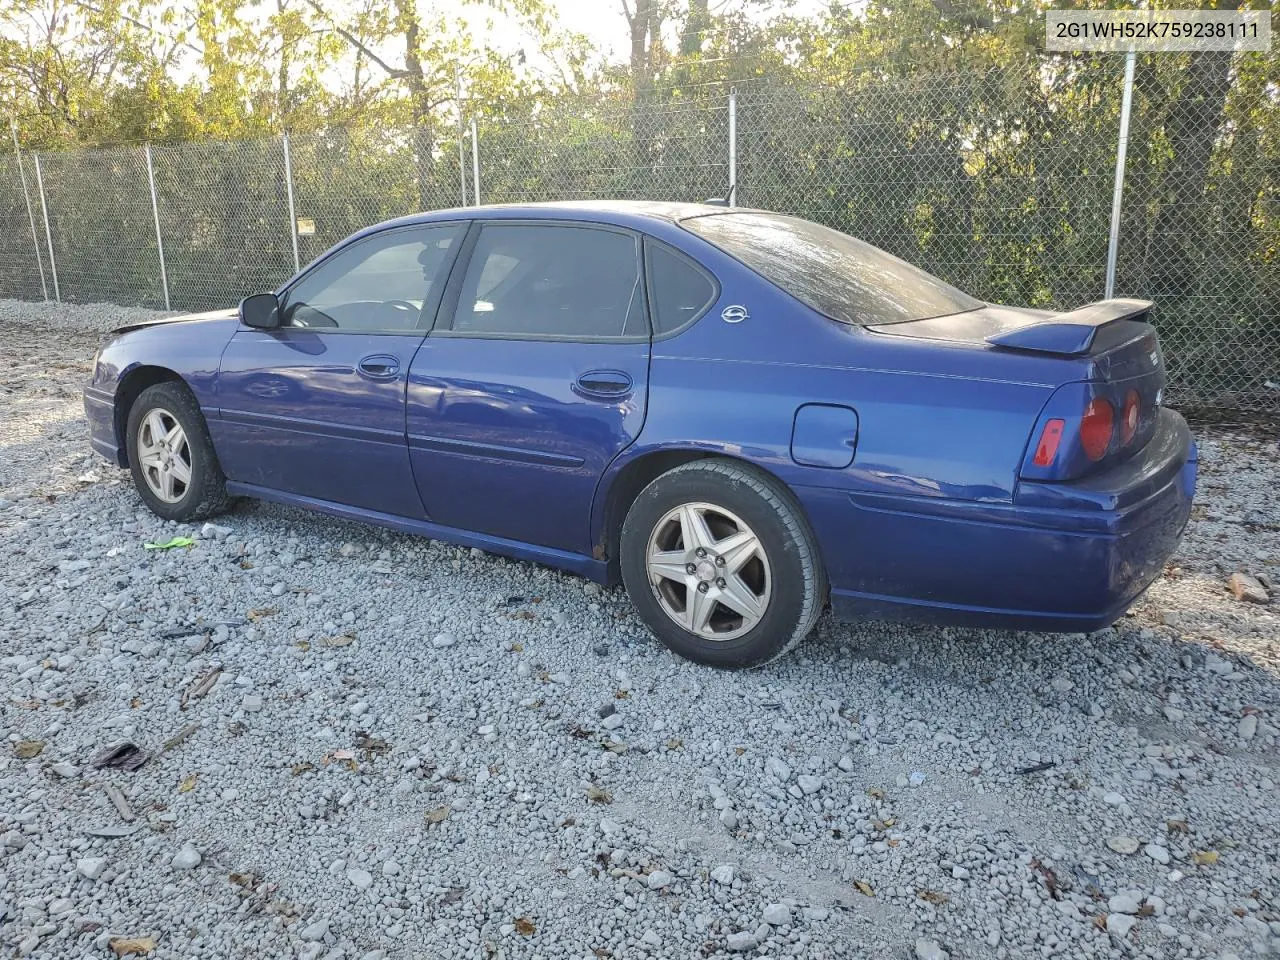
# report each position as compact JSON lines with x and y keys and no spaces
{"x":355,"y":42}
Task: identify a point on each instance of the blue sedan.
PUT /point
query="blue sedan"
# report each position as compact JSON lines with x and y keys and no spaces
{"x":743,"y":417}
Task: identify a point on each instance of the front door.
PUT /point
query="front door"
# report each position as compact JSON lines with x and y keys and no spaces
{"x":534,"y":379}
{"x":317,"y":406}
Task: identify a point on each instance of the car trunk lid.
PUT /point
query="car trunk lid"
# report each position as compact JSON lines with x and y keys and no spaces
{"x":1109,"y":353}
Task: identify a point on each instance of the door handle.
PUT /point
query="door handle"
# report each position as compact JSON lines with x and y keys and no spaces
{"x":603,"y":384}
{"x":378,"y":367}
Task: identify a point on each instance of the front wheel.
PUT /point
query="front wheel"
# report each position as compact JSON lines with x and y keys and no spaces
{"x":721,"y":564}
{"x":175,"y":469}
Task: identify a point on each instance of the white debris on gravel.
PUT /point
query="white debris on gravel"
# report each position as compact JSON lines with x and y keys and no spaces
{"x":312,"y":718}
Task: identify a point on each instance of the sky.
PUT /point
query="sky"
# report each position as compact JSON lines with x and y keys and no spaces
{"x":603,"y":21}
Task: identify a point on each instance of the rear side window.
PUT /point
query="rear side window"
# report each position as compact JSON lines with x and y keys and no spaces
{"x":841,"y":277}
{"x":679,"y":290}
{"x":547,"y":280}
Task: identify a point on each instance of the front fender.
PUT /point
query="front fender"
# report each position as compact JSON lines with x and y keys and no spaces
{"x":186,"y":348}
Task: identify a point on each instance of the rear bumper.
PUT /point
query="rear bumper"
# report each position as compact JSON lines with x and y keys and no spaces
{"x":100,"y":411}
{"x":1066,"y":557}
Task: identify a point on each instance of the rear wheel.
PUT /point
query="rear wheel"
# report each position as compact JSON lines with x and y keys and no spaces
{"x":721,"y":565}
{"x":171,"y":456}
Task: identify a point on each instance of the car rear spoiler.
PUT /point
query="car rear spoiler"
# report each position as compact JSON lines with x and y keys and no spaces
{"x":1071,"y":333}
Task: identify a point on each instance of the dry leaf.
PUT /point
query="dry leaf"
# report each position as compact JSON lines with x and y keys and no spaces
{"x":27,"y":749}
{"x":613,"y":746}
{"x":257,"y":613}
{"x":932,"y":896}
{"x":599,"y":795}
{"x":246,"y":564}
{"x":739,"y":750}
{"x":371,"y":744}
{"x":131,"y":946}
{"x":525,"y":927}
{"x":303,"y":645}
{"x":1177,"y":826}
{"x":438,"y":815}
{"x":876,"y":793}
{"x":248,"y":880}
{"x":622,"y":695}
{"x":135,"y":703}
{"x":864,"y":888}
{"x":675,"y":743}
{"x":517,"y":647}
{"x":1205,"y":858}
{"x":299,"y":769}
{"x":339,"y":641}
{"x":188,"y":783}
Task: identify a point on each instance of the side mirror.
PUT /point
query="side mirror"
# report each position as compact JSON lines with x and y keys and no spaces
{"x":262,"y":311}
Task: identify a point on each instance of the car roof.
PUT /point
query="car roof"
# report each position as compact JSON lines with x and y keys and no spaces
{"x":633,"y":213}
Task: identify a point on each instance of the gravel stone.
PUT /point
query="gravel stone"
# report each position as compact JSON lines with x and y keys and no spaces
{"x":188,"y":858}
{"x":1119,"y":924}
{"x":809,"y":784}
{"x":777,"y":915}
{"x":741,"y":942}
{"x":659,"y":879}
{"x":1124,"y":844}
{"x":91,"y":867}
{"x":1126,"y":902}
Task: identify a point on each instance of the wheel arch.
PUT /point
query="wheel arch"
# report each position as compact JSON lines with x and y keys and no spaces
{"x":128,"y":389}
{"x":627,"y":478}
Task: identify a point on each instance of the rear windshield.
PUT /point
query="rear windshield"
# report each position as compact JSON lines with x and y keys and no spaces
{"x":843,"y":278}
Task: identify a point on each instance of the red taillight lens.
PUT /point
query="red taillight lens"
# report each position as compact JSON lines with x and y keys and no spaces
{"x":1047,"y":448}
{"x":1132,"y":412}
{"x":1096,"y":428}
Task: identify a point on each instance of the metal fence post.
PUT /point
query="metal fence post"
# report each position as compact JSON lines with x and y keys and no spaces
{"x":288,"y":189}
{"x":462,"y":150}
{"x":155,"y":213}
{"x":48,"y":234}
{"x":1117,"y":197}
{"x":31,"y":217}
{"x":733,"y":146}
{"x":475,"y":163}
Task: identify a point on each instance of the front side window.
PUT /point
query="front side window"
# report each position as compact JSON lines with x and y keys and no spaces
{"x":379,"y":285}
{"x":547,"y":280}
{"x":843,"y":278}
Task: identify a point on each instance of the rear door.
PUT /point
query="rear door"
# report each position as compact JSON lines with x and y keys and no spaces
{"x":534,"y":379}
{"x":317,"y":407}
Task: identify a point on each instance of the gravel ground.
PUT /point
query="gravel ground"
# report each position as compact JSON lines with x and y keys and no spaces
{"x":366,"y":745}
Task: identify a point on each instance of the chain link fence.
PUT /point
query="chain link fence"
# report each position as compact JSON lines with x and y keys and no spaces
{"x":1000,"y":180}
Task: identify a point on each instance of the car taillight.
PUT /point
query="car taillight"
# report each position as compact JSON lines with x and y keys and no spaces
{"x":1132,"y":412}
{"x":1096,"y":428}
{"x":1047,"y":448}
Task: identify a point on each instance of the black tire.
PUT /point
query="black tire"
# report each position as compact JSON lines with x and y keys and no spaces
{"x":205,"y":495}
{"x":797,"y":587}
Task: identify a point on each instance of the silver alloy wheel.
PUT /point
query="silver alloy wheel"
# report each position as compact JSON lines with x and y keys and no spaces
{"x":164,"y":455}
{"x":709,"y":571}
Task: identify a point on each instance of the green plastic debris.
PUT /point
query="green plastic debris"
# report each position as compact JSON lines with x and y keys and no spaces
{"x":170,"y":544}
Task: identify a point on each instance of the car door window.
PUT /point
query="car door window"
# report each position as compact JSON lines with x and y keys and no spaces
{"x":545,"y":280}
{"x":680,"y":291}
{"x":378,"y":285}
